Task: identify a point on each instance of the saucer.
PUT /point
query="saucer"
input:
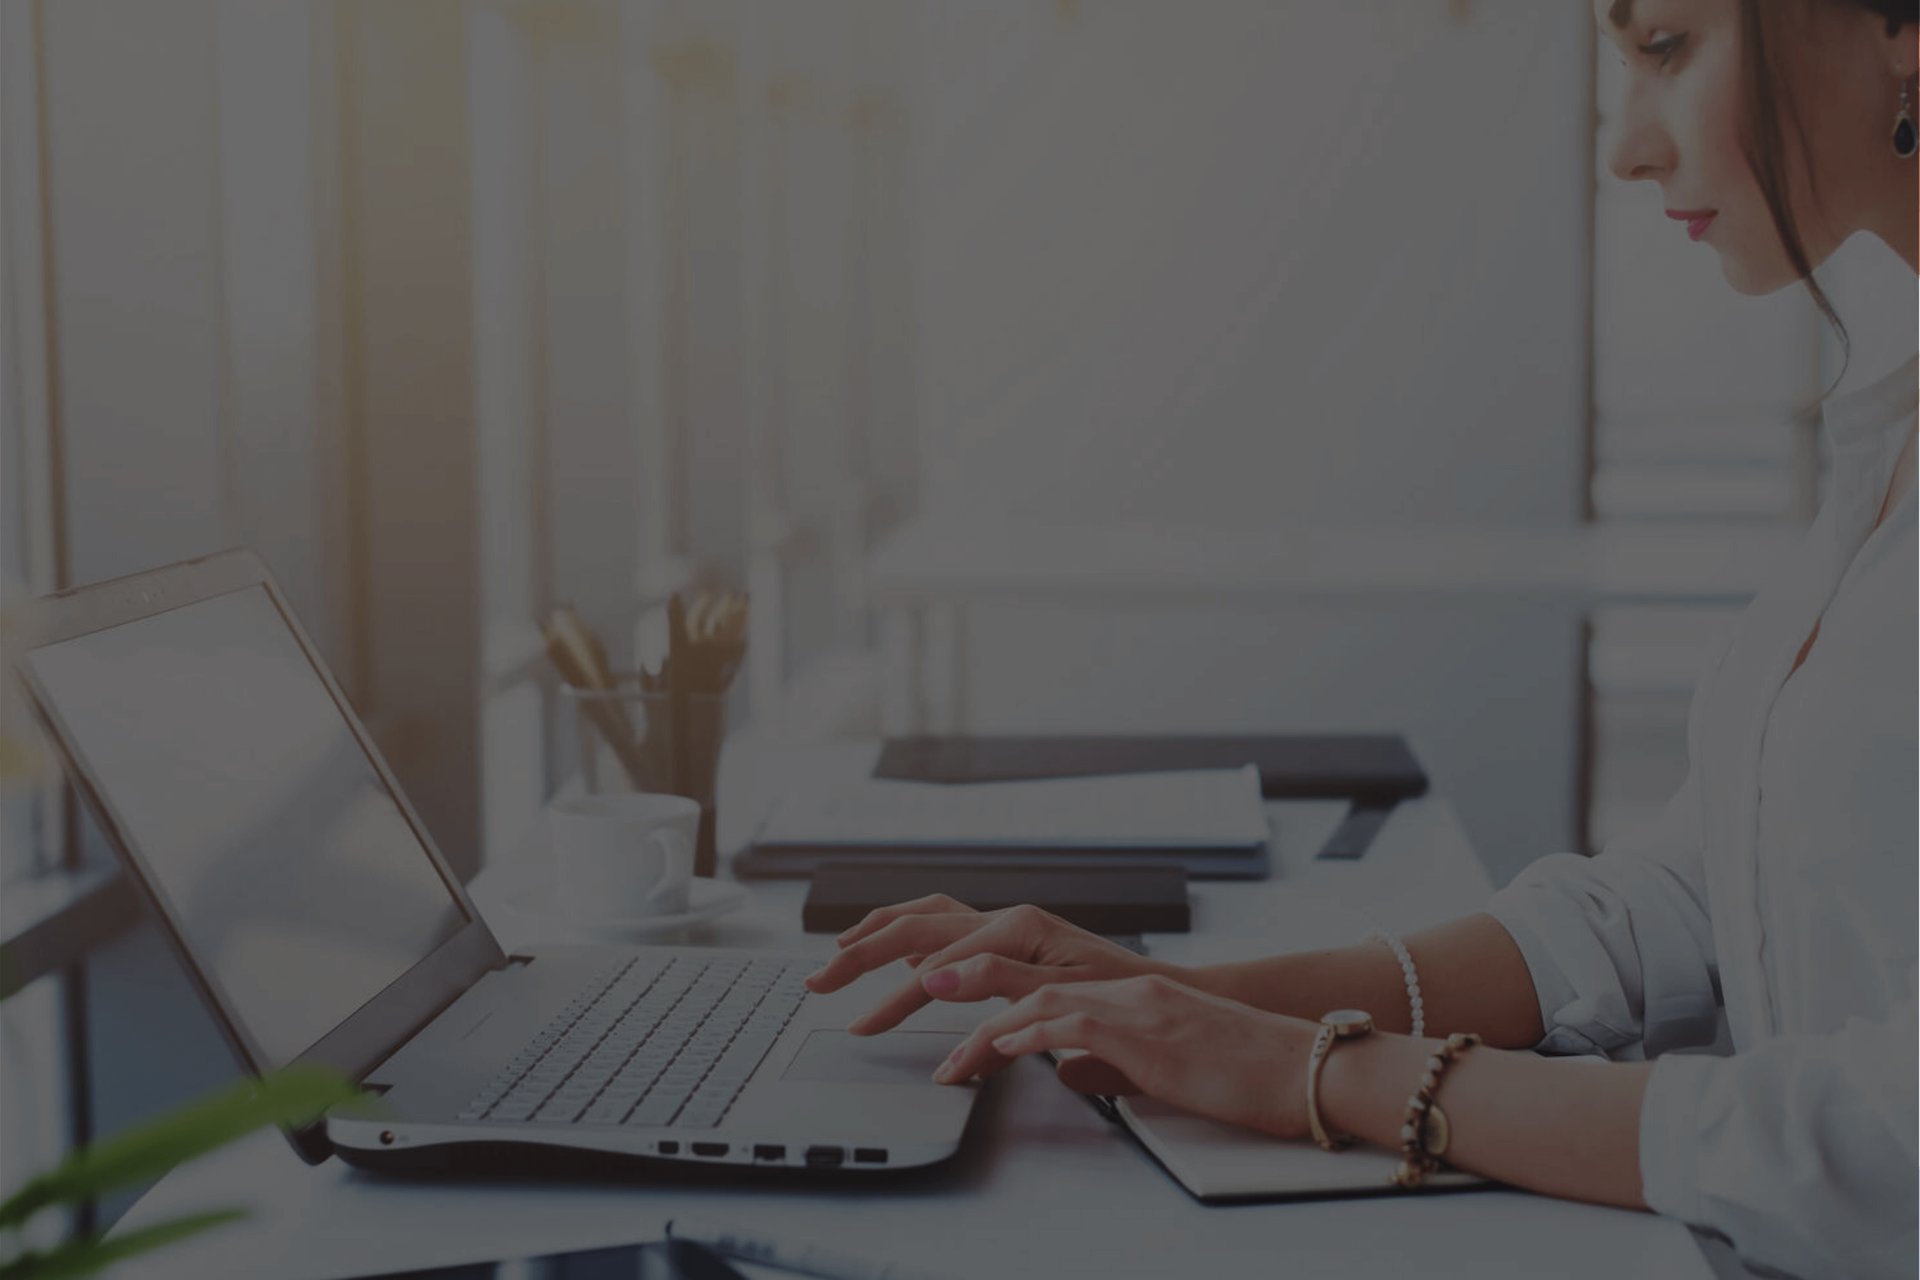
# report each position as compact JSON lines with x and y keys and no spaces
{"x":706,"y":899}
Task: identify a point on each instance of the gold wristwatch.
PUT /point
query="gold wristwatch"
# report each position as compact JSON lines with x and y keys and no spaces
{"x":1341,"y":1024}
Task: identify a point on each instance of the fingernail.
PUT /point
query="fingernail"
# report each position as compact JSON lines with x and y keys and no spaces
{"x":1005,"y":1043}
{"x":941,"y":982}
{"x":955,"y":1055}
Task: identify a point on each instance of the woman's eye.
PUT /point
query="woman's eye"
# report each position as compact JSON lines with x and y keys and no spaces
{"x":1663,"y":48}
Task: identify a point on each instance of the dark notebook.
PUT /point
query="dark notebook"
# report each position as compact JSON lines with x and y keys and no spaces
{"x":1103,"y":899}
{"x":1373,"y":769}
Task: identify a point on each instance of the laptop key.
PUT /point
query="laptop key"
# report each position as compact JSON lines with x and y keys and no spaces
{"x":654,"y":1111}
{"x":607,"y":1111}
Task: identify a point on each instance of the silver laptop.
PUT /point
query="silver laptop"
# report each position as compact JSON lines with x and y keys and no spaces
{"x":321,"y":925}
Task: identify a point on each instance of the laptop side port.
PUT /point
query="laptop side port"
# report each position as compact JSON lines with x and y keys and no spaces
{"x":769,"y":1151}
{"x":669,"y":1148}
{"x":825,"y":1157}
{"x":869,"y":1155}
{"x":709,"y":1148}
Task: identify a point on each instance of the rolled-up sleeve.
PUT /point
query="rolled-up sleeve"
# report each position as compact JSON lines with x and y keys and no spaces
{"x":1801,"y":1151}
{"x":1620,"y":946}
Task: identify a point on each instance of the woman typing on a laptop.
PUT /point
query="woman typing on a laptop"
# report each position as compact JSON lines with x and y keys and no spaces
{"x":1777,"y":887}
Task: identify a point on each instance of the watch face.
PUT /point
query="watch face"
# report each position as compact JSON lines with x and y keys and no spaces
{"x":1348,"y":1022}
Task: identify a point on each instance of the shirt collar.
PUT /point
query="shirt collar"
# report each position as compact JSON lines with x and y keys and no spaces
{"x":1864,"y":417}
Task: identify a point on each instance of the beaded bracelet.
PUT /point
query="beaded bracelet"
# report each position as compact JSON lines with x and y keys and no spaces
{"x":1409,"y":973}
{"x":1425,"y":1134}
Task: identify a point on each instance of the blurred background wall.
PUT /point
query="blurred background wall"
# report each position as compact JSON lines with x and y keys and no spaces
{"x":457,"y":309}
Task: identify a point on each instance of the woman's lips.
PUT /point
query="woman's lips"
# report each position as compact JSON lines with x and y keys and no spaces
{"x":1697,"y":220}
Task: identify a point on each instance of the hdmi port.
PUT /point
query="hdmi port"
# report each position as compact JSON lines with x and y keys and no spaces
{"x":709,"y":1148}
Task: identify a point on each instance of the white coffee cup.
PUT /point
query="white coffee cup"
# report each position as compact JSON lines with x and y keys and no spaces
{"x":623,"y":855}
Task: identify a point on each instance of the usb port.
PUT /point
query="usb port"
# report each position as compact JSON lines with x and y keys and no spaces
{"x":769,"y":1151}
{"x":709,"y":1148}
{"x":823,"y":1157}
{"x":869,"y":1155}
{"x":669,"y":1148}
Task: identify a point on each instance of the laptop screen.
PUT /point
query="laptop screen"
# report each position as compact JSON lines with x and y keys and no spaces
{"x":283,"y":859}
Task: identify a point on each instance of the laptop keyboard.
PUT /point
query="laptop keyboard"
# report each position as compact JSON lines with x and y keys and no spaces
{"x":654,"y":1041}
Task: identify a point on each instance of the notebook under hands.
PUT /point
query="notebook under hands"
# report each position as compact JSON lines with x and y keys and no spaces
{"x":321,"y":925}
{"x":1224,"y":1164}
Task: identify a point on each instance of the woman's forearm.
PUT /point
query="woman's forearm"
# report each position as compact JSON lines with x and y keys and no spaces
{"x":1515,"y":1117}
{"x":1472,"y":978}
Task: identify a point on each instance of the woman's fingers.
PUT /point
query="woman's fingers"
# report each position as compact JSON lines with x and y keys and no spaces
{"x":1120,"y":1003}
{"x":906,"y":936}
{"x":1149,"y":1034}
{"x":1080,"y":1029}
{"x":1016,"y":932}
{"x":892,"y":1011}
{"x":880,"y":917}
{"x":938,"y":941}
{"x":1112,"y":1048}
{"x":980,"y":978}
{"x":985,"y":976}
{"x":977,"y":966}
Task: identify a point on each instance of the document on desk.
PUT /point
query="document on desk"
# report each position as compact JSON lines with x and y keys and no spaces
{"x":1199,"y":809}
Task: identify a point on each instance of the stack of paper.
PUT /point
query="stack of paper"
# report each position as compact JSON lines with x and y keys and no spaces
{"x":1199,"y":809}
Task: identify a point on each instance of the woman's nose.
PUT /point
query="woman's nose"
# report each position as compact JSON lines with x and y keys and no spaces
{"x":1629,"y":168}
{"x":1641,"y":149}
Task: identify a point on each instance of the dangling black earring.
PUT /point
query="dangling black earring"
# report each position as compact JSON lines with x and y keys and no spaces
{"x":1904,"y":141}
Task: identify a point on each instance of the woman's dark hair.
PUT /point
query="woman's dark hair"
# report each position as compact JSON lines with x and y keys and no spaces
{"x":1769,"y":111}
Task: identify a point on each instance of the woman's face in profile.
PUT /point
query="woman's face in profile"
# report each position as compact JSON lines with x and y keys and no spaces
{"x":1680,"y":123}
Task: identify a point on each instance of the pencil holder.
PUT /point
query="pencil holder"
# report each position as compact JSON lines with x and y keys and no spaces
{"x":635,"y":739}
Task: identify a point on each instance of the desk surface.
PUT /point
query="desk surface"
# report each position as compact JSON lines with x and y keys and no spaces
{"x":1042,"y":1186}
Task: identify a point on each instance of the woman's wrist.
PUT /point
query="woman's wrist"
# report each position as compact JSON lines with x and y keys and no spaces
{"x":1563,"y":1128}
{"x":1272,"y":984}
{"x":1365,"y":1084}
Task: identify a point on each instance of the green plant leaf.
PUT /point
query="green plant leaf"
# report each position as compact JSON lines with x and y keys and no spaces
{"x":84,"y":1257}
{"x":294,"y":1096}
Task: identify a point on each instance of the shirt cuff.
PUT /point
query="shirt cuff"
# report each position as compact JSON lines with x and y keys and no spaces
{"x":1670,"y":1134}
{"x":1551,"y":986}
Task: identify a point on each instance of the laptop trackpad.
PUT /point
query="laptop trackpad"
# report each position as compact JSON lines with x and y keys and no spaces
{"x":896,"y":1057}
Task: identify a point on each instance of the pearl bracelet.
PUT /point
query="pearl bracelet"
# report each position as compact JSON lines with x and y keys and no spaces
{"x":1408,"y":972}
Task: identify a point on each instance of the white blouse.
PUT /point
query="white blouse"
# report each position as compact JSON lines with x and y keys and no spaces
{"x":1778,"y":886}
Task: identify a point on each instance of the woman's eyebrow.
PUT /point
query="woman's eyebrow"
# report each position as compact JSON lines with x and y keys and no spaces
{"x":1621,"y":13}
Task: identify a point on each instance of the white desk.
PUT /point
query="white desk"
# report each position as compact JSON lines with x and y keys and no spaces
{"x":1043,"y":1185}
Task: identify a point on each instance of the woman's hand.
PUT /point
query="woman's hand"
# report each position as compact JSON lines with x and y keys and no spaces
{"x":1152,"y":1035}
{"x":965,"y":955}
